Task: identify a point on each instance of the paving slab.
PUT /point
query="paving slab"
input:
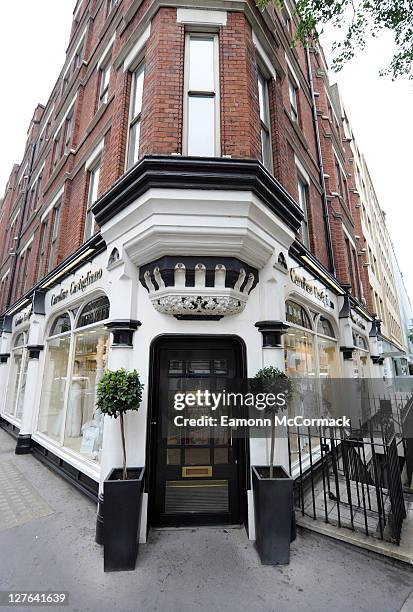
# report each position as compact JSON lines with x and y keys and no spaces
{"x":185,"y":570}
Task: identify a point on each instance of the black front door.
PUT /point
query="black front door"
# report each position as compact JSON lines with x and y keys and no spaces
{"x":196,"y":468}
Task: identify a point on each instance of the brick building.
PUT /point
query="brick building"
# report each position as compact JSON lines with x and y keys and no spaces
{"x":186,"y":204}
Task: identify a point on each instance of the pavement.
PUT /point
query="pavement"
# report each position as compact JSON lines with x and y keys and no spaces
{"x":51,"y":547}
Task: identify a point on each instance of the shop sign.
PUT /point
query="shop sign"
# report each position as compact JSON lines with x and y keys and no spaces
{"x":311,"y":288}
{"x":77,"y":286}
{"x":357,"y":320}
{"x":23,"y":316}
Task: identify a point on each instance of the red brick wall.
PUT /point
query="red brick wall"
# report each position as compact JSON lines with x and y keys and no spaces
{"x":162,"y":123}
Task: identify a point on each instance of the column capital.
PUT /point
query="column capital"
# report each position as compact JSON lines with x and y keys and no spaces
{"x":271,"y":332}
{"x":122,"y":330}
{"x":347,"y":352}
{"x":34,"y":350}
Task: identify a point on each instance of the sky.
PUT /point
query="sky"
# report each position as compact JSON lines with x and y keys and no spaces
{"x":32,"y":52}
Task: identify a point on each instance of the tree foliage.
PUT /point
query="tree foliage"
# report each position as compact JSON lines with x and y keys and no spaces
{"x":119,"y":391}
{"x":271,"y":379}
{"x":358,"y":20}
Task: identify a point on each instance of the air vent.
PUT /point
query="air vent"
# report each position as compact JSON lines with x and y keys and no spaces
{"x":195,"y":497}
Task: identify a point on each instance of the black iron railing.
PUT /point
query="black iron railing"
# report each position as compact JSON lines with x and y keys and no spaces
{"x":351,"y":477}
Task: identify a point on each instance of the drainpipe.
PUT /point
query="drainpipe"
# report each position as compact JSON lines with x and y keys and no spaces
{"x":19,"y":235}
{"x":321,"y":165}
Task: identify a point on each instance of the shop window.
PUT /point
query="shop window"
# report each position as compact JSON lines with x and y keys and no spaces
{"x":75,"y":362}
{"x":84,"y":423}
{"x":299,"y":353}
{"x":297,"y":315}
{"x":94,"y":311}
{"x":324,"y":327}
{"x":311,"y":357}
{"x":202,"y":95}
{"x":361,"y":356}
{"x":61,"y":325}
{"x":17,"y":379}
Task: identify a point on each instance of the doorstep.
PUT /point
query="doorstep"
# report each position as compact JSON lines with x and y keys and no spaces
{"x":402,"y":552}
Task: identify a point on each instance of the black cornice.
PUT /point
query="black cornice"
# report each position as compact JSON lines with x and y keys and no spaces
{"x":176,"y":172}
{"x":34,"y":294}
{"x":298,"y":250}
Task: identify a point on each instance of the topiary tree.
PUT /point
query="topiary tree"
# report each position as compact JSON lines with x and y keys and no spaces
{"x":266,"y":378}
{"x":119,"y":391}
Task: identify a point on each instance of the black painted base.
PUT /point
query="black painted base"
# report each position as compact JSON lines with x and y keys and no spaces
{"x":273,"y":503}
{"x":122,"y":517}
{"x":24,"y":444}
{"x":99,"y":537}
{"x":78,"y":479}
{"x":9,"y":427}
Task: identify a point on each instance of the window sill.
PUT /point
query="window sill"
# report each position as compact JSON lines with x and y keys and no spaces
{"x":297,"y":129}
{"x":11,"y":419}
{"x":90,"y":468}
{"x":56,"y":171}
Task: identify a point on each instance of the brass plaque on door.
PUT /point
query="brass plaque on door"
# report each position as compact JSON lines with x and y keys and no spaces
{"x":199,"y":471}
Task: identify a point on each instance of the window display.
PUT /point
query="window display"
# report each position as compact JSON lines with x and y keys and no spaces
{"x":361,"y":356}
{"x":75,"y":362}
{"x":310,"y":349}
{"x":18,"y":375}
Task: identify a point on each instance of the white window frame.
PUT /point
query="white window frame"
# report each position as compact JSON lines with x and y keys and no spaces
{"x":56,"y":150}
{"x":24,"y":361}
{"x":56,"y":218}
{"x":293,"y":97}
{"x":265,"y":122}
{"x":72,"y":335}
{"x":92,"y":191}
{"x":68,"y":132}
{"x":216,"y":93}
{"x":111,"y":5}
{"x":104,"y":78}
{"x":303,"y":191}
{"x":134,"y":121}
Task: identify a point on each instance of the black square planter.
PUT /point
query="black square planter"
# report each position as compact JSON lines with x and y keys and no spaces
{"x":273,"y":504}
{"x":122,"y":518}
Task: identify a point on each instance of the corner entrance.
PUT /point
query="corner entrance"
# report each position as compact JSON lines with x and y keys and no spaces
{"x":197,"y":471}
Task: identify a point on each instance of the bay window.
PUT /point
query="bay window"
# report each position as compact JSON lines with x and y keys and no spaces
{"x":201,"y":103}
{"x":135,"y":111}
{"x":76,"y":358}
